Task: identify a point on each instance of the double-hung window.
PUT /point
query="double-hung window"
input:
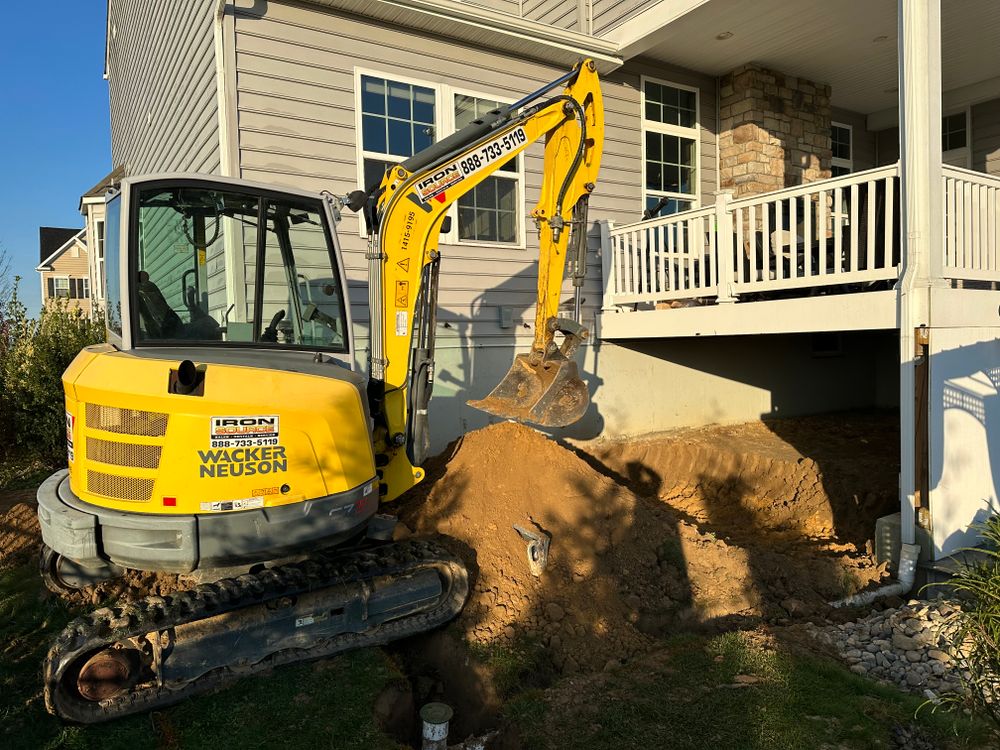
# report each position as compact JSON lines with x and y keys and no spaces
{"x":670,"y":147}
{"x":398,"y":118}
{"x":397,"y":121}
{"x":99,"y":231}
{"x":841,"y":145}
{"x":955,"y":139}
{"x":61,"y":287}
{"x":490,"y":212}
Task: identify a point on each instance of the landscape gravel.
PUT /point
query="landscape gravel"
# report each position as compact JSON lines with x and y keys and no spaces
{"x":909,"y":646}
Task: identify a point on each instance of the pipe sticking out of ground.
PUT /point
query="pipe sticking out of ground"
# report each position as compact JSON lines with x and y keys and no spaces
{"x":435,"y":717}
{"x":908,"y":555}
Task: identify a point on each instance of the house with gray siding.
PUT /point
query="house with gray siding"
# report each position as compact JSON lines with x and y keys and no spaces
{"x":759,"y":246}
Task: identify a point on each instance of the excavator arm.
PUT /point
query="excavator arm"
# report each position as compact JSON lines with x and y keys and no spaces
{"x":405,"y":217}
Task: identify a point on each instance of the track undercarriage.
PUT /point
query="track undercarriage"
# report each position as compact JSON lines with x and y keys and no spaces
{"x":156,"y":651}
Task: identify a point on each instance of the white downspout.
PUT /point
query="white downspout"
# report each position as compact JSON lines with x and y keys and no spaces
{"x":226,"y":167}
{"x":920,"y":182}
{"x":904,"y":581}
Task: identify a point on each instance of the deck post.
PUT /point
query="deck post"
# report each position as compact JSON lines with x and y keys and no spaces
{"x":922,"y":222}
{"x":607,"y":264}
{"x":724,"y":247}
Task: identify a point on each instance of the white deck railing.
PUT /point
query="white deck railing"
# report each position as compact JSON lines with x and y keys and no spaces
{"x":971,"y":225}
{"x":834,"y":232}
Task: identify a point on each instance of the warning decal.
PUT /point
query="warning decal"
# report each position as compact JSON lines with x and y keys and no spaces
{"x":221,"y":506}
{"x":402,"y":294}
{"x":70,"y":421}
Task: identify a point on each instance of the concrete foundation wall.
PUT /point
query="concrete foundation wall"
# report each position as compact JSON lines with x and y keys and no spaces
{"x":964,"y":430}
{"x":646,"y":387}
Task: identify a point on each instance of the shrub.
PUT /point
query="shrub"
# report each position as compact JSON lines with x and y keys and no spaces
{"x":976,"y":643}
{"x":33,"y":355}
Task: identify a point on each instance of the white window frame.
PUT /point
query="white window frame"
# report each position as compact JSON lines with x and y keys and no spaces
{"x":843,"y":163}
{"x":518,"y":176}
{"x":99,"y":240}
{"x":959,"y":157}
{"x":659,"y":127}
{"x":86,"y":288}
{"x":444,"y":125}
{"x":55,"y":286}
{"x":361,"y":154}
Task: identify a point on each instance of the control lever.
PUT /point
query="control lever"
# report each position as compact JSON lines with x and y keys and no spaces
{"x":312,"y":313}
{"x":270,"y":333}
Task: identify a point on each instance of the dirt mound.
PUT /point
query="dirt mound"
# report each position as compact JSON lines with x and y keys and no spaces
{"x":822,"y":477}
{"x":20,"y":536}
{"x":624,"y":567}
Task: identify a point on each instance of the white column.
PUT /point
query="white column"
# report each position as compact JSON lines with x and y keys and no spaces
{"x":921,"y":201}
{"x":607,"y":264}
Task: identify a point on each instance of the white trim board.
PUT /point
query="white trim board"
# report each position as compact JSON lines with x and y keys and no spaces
{"x":45,"y":264}
{"x":866,"y":311}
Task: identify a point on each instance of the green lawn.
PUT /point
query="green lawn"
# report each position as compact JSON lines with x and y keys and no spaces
{"x":326,"y":704}
{"x":686,"y":698}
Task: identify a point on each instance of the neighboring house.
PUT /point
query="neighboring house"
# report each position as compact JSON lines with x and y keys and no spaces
{"x":63,"y":268}
{"x":92,"y":209}
{"x":814,"y":269}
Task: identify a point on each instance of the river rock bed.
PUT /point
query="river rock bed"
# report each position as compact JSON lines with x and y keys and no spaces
{"x":909,"y":646}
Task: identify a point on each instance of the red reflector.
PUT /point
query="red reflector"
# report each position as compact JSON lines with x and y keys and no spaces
{"x":170,"y":501}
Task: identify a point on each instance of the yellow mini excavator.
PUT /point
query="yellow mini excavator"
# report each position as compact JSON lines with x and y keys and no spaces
{"x":224,"y":428}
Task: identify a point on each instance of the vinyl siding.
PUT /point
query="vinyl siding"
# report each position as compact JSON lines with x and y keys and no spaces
{"x":507,"y":6}
{"x":296,"y":100}
{"x":162,"y":86}
{"x":72,"y":264}
{"x":862,"y":140}
{"x":564,"y":14}
{"x":888,"y":146}
{"x":986,"y":137}
{"x":611,"y":13}
{"x":985,"y":134}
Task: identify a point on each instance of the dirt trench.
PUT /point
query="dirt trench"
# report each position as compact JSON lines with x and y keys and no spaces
{"x":703,"y":529}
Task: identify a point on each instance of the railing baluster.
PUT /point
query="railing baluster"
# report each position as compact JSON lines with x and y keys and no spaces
{"x":671,"y":260}
{"x":779,"y":250}
{"x":981,"y":233}
{"x":854,"y":227}
{"x":838,"y":230}
{"x":991,"y":239}
{"x":755,"y":274}
{"x":890,"y":215}
{"x":739,"y":250}
{"x":807,"y":245}
{"x":823,"y":207}
{"x":793,"y":237}
{"x":871,"y":221}
{"x":661,"y":249}
{"x":766,"y":240}
{"x":950,"y":226}
{"x":967,"y":225}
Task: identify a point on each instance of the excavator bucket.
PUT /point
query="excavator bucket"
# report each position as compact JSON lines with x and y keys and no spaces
{"x":550,"y":394}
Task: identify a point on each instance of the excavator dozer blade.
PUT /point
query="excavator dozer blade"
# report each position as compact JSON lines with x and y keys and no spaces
{"x":550,"y":394}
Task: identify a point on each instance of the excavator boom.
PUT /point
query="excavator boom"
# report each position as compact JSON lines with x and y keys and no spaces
{"x":405,"y":217}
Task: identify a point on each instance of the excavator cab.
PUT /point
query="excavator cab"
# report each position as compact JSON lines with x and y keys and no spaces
{"x":222,"y":264}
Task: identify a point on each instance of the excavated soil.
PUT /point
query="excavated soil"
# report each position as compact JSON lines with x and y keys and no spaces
{"x":20,"y":536}
{"x":710,"y":528}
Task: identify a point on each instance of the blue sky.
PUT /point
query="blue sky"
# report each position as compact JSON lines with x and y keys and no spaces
{"x":55,"y":133}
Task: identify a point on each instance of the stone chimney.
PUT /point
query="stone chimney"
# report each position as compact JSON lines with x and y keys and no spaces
{"x":774,"y":131}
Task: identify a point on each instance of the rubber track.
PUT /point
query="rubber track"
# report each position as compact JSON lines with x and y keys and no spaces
{"x":105,"y":626}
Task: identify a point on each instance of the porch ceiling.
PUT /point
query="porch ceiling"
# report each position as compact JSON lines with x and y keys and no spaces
{"x":827,"y":42}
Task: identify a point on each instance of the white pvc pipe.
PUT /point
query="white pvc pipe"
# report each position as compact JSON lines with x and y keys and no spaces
{"x":908,"y":555}
{"x":435,"y":717}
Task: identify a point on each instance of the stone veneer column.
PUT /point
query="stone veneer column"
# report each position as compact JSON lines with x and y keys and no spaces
{"x":774,"y":131}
